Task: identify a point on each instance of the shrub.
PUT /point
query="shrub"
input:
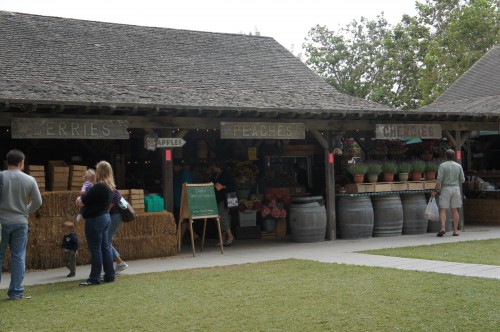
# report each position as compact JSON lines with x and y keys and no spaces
{"x":357,"y":168}
{"x":374,"y":168}
{"x":389,"y":167}
{"x":404,"y":167}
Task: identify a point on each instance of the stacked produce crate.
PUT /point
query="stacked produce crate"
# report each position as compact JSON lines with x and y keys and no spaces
{"x":38,"y":172}
{"x":137,"y":199}
{"x":58,"y":175}
{"x":76,"y":174}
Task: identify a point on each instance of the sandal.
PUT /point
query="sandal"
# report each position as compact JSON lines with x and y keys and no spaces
{"x":229,"y":243}
{"x":440,"y":234}
{"x":455,"y":234}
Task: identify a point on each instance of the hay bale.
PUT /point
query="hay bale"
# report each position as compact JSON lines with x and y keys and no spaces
{"x":151,"y":235}
{"x":59,"y":204}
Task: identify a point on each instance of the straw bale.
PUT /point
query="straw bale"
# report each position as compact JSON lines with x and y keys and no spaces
{"x":151,"y":235}
{"x":151,"y":223}
{"x":141,"y":247}
{"x":59,"y":204}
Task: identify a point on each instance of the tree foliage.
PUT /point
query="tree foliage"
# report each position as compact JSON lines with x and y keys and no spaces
{"x":411,"y":63}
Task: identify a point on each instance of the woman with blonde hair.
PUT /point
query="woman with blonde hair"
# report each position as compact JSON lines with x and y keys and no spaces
{"x":97,"y":221}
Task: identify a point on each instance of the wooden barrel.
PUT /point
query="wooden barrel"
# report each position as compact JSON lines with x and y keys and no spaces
{"x":414,"y":221}
{"x":435,"y":226}
{"x":387,"y":215}
{"x":354,"y":217}
{"x":308,"y":219}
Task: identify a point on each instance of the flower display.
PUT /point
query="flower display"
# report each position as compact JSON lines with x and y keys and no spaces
{"x":253,"y":203}
{"x":245,"y":172}
{"x":276,"y":200}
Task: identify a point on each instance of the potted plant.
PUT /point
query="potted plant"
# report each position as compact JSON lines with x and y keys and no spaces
{"x":373,"y":171}
{"x":404,"y":168}
{"x":417,"y":168}
{"x":389,"y":168}
{"x":358,"y":171}
{"x":274,"y":208}
{"x":431,"y":168}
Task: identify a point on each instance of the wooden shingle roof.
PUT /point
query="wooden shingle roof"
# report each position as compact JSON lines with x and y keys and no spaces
{"x":59,"y":61}
{"x":477,"y":91}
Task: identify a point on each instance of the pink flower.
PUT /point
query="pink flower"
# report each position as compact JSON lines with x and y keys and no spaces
{"x":283,"y":213}
{"x":276,"y":213}
{"x":265,"y":211}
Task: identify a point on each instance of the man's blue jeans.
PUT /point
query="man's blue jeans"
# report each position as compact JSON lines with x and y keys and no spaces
{"x":116,"y":221}
{"x":96,"y":232}
{"x":16,"y":237}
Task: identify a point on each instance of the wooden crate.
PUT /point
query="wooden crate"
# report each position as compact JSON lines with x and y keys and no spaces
{"x":125,"y":193}
{"x":383,"y":186}
{"x":58,"y":175}
{"x":399,"y":186}
{"x":429,"y":184}
{"x":415,"y":185}
{"x":38,"y":172}
{"x":76,"y":174}
{"x":137,"y":199}
{"x":359,"y":188}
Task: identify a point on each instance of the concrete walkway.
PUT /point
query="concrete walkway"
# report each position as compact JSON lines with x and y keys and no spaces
{"x":338,"y":251}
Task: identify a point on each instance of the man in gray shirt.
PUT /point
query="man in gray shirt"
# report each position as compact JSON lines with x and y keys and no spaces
{"x":20,"y":197}
{"x":450,"y":178}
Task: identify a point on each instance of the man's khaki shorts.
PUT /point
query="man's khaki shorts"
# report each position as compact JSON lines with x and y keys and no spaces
{"x":450,"y":198}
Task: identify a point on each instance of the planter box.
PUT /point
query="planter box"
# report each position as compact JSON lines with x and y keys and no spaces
{"x":358,"y":188}
{"x":383,"y":186}
{"x":248,"y":218}
{"x":415,"y":185}
{"x":430,"y":184}
{"x":399,"y":186}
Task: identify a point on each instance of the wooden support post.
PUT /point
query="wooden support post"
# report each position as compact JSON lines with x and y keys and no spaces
{"x":330,"y":183}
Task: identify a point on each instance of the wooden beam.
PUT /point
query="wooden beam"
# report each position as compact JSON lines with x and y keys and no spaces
{"x":321,"y":140}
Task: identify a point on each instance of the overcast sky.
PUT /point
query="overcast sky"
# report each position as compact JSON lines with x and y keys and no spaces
{"x":287,"y":21}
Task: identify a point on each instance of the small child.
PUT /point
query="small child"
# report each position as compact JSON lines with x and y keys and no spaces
{"x":70,"y":245}
{"x":89,"y":181}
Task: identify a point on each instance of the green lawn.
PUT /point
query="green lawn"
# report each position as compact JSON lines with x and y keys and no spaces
{"x":473,"y":252}
{"x":289,"y":295}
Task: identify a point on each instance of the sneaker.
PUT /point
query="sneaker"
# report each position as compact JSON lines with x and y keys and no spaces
{"x":120,"y":267}
{"x":71,"y":274}
{"x":20,"y":297}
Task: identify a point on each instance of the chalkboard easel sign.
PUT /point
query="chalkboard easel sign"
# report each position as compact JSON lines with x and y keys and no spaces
{"x":198,"y":202}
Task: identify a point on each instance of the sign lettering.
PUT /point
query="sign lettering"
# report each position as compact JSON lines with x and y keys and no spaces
{"x":256,"y":130}
{"x":397,"y":131}
{"x":69,"y":128}
{"x":170,"y":142}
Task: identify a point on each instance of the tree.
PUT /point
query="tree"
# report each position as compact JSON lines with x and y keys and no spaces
{"x":470,"y":30}
{"x":410,"y":64}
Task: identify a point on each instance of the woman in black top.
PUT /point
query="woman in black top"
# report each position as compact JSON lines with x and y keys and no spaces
{"x":224,"y":183}
{"x":97,"y":202}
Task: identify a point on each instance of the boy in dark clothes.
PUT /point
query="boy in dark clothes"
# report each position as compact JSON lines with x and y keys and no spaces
{"x":70,"y":245}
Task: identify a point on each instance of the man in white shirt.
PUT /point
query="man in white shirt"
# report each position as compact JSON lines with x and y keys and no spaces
{"x":450,"y":178}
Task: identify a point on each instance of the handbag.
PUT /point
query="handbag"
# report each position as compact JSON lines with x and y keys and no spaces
{"x":126,"y":210}
{"x":432,"y":210}
{"x":231,"y":199}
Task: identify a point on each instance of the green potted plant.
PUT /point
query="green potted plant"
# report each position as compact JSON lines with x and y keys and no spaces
{"x":417,"y":168}
{"x":431,"y":168}
{"x":373,"y":171}
{"x":404,"y":168}
{"x":358,"y":171}
{"x":389,"y":168}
